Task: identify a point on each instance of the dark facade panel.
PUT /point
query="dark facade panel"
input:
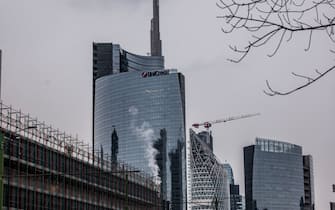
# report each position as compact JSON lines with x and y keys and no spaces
{"x":332,"y":206}
{"x":248,"y":177}
{"x":309,"y":201}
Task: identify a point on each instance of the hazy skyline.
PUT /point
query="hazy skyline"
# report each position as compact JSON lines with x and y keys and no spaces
{"x":47,"y":69}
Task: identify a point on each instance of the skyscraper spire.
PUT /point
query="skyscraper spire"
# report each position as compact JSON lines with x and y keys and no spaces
{"x":156,"y":43}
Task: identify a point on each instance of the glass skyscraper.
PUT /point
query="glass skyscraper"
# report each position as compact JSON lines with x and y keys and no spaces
{"x":139,"y":116}
{"x":273,"y":176}
{"x":139,"y":113}
{"x":147,"y":112}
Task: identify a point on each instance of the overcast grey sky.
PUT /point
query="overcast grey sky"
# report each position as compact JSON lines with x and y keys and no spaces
{"x":47,"y":69}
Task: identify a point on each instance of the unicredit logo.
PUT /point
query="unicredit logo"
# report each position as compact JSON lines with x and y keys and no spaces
{"x":146,"y":74}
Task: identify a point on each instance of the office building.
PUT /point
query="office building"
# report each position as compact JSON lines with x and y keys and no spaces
{"x":273,"y":176}
{"x":208,"y":179}
{"x":147,"y":114}
{"x":44,"y":168}
{"x":309,"y":201}
{"x":236,"y":200}
{"x":139,"y":113}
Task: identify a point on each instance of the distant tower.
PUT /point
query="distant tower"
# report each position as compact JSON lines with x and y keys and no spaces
{"x":156,"y":43}
{"x":308,"y":183}
{"x":114,"y":146}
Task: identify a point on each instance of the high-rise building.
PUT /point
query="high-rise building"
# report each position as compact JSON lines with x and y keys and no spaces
{"x":309,"y":201}
{"x":273,"y":176}
{"x":236,"y":200}
{"x":146,"y":111}
{"x":208,"y":179}
{"x":139,"y":113}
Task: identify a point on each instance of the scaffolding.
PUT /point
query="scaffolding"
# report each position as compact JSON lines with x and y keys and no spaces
{"x":44,"y":168}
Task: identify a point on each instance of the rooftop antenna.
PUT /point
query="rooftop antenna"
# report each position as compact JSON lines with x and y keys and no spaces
{"x":156,"y":43}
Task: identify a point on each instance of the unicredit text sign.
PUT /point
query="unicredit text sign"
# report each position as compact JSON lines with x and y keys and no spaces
{"x":146,"y":74}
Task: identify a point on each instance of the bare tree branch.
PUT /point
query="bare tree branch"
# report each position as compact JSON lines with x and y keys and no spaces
{"x":264,"y":19}
{"x":271,"y":92}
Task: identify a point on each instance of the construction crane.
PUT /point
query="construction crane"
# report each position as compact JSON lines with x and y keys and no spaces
{"x":209,"y":124}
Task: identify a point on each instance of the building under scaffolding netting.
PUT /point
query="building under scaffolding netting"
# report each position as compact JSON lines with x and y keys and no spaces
{"x":44,"y":169}
{"x":208,"y":178}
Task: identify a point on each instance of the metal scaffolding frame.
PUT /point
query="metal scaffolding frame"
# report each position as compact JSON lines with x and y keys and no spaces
{"x":77,"y":176}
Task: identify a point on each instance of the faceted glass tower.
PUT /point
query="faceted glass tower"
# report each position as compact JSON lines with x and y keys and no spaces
{"x":208,"y":178}
{"x":139,"y":113}
{"x":273,"y":176}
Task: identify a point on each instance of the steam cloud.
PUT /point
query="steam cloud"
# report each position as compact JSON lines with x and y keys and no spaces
{"x":146,"y":134}
{"x":133,"y":110}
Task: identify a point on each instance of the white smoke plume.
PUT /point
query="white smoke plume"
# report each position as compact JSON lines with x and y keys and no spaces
{"x":133,"y":110}
{"x":146,"y":134}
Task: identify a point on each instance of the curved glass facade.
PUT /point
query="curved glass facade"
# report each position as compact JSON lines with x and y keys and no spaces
{"x":145,"y":112}
{"x":273,"y":175}
{"x":110,"y":59}
{"x":133,"y":62}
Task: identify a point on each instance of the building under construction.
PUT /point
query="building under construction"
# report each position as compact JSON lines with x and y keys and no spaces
{"x":42,"y":168}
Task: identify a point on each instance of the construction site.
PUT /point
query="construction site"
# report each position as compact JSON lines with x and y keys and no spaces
{"x":42,"y":168}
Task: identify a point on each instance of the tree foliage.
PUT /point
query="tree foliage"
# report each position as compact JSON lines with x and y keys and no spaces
{"x":279,"y":21}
